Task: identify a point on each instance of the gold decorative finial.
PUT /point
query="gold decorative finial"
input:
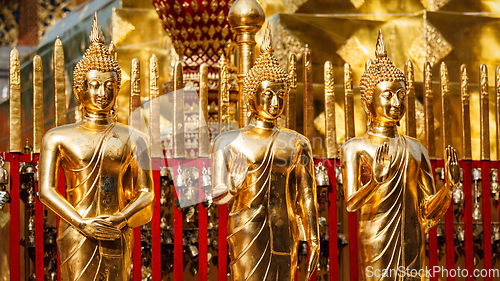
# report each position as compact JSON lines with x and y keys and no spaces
{"x":96,"y":35}
{"x":380,"y":50}
{"x":112,"y":50}
{"x":267,"y":42}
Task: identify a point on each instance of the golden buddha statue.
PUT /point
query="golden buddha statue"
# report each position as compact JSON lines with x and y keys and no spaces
{"x":108,"y":175}
{"x":388,"y":178}
{"x":266,"y":174}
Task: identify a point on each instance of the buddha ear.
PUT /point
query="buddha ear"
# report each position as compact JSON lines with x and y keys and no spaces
{"x":77,"y":95}
{"x":367,"y":106}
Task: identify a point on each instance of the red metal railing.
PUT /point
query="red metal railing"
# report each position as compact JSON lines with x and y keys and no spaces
{"x":467,"y":165}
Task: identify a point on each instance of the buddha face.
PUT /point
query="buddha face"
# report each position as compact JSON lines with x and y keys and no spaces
{"x":389,"y":102}
{"x":100,"y":91}
{"x":269,"y":100}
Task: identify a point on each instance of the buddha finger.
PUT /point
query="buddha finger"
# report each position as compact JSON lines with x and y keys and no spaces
{"x":111,"y":232}
{"x":377,"y":154}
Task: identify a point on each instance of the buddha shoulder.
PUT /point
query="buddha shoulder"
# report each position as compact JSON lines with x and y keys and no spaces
{"x":287,"y":134}
{"x":59,"y":134}
{"x":353,"y":145}
{"x":226,"y":138}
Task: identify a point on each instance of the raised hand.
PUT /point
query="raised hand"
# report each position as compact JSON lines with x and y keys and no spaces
{"x":381,"y":163}
{"x":99,"y":229}
{"x":238,"y":170}
{"x":451,"y":167}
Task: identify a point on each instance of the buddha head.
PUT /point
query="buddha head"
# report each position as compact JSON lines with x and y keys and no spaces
{"x":97,"y":75}
{"x":266,"y":83}
{"x":383,"y":90}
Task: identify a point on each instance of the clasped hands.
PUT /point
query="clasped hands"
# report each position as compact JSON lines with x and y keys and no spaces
{"x":105,"y":227}
{"x":382,"y":163}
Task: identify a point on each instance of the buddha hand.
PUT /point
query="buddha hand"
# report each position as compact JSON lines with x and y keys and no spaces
{"x":381,"y":163}
{"x":238,"y":170}
{"x":99,"y":229}
{"x":451,"y":168}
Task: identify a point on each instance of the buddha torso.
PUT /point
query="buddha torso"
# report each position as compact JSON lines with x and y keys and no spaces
{"x":263,"y":218}
{"x":98,"y":158}
{"x":390,"y":217}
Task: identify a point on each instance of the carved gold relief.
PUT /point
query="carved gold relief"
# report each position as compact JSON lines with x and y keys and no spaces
{"x":287,"y":44}
{"x":429,"y":45}
{"x":434,"y":5}
{"x":293,"y":5}
{"x":357,"y":3}
{"x":353,"y":52}
{"x":121,"y":28}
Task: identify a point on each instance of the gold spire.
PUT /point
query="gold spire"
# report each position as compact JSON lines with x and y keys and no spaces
{"x":96,"y":33}
{"x":267,"y":42}
{"x":380,"y":50}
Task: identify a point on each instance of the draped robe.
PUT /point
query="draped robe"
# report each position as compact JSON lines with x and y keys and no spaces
{"x":267,"y":216}
{"x":105,"y":182}
{"x":391,"y":223}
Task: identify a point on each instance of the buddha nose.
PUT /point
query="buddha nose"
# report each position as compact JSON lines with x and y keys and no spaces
{"x":395,"y":101}
{"x":274,"y":101}
{"x":102,"y":92}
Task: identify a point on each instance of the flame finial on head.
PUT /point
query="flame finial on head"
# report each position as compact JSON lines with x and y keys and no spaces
{"x":267,"y":42}
{"x":380,"y":50}
{"x":96,"y":35}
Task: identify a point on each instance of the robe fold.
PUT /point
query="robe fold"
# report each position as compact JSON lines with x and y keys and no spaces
{"x":391,"y":232}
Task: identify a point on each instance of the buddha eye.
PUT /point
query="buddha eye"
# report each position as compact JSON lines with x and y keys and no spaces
{"x":267,"y":93}
{"x":109,"y":85}
{"x":94,"y":84}
{"x":401,"y":94}
{"x":387,"y":94}
{"x":281,"y":94}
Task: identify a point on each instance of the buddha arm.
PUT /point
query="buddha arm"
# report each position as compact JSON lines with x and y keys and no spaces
{"x":351,"y":178}
{"x":434,"y":205}
{"x":140,"y":208}
{"x":220,"y":192}
{"x":307,"y":203}
{"x":50,"y":159}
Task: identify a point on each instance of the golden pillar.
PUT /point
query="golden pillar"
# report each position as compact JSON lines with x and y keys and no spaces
{"x":246,"y":18}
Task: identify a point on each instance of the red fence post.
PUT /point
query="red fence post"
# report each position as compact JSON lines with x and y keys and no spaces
{"x":178,"y":220}
{"x":155,"y":224}
{"x":353,"y":246}
{"x":222,"y":243}
{"x":202,"y":226}
{"x":332,"y":221}
{"x":486,"y":200}
{"x":15,"y":269}
{"x":468,"y":201}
